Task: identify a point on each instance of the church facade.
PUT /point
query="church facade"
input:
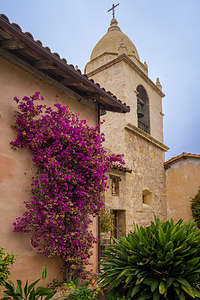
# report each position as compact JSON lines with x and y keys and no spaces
{"x":26,"y":66}
{"x":144,"y":187}
{"x":138,"y":194}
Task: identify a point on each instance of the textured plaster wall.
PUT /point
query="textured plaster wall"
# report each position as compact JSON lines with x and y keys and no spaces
{"x":182,"y":182}
{"x":16,"y":168}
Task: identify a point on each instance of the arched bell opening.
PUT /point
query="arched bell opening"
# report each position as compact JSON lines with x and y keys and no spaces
{"x":143,"y":109}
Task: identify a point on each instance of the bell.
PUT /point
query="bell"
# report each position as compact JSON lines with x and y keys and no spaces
{"x":140,"y":111}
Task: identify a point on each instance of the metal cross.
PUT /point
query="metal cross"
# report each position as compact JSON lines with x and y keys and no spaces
{"x":113,"y":9}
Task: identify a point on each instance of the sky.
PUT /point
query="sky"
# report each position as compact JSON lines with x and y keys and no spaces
{"x":165,"y":33}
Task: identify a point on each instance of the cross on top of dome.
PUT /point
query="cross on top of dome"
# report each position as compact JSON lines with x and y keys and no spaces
{"x":113,"y":9}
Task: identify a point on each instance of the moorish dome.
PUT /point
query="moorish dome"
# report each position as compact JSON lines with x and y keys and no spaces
{"x":112,"y":45}
{"x":111,"y":42}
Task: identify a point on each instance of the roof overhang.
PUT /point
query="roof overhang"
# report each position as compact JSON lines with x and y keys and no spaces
{"x":23,"y":45}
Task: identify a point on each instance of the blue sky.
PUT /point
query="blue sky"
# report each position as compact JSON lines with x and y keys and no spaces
{"x":165,"y":33}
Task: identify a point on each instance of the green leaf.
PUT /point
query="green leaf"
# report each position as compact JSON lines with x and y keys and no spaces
{"x":135,"y":290}
{"x":156,"y":296}
{"x":52,"y":294}
{"x":42,"y":291}
{"x":139,"y":280}
{"x":19,"y":288}
{"x":161,"y":235}
{"x":10,"y":286}
{"x":169,"y":246}
{"x":193,"y":261}
{"x":59,"y":298}
{"x":44,"y":272}
{"x":152,"y":282}
{"x":128,"y":279}
{"x":181,"y":296}
{"x":162,"y":288}
{"x":144,"y":297}
{"x":26,"y":290}
{"x":189,"y":291}
{"x":31,"y":286}
{"x":32,"y":295}
{"x":184,"y":282}
{"x":122,"y":273}
{"x":196,"y":292}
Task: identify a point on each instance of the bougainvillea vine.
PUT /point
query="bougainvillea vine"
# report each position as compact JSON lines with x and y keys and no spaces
{"x":70,"y":178}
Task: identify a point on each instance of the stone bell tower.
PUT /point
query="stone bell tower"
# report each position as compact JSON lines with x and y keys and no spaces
{"x":116,"y":66}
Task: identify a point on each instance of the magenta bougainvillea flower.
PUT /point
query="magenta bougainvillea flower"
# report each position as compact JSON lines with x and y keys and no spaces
{"x":70,"y":178}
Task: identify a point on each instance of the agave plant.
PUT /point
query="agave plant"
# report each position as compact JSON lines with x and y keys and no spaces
{"x":161,"y":261}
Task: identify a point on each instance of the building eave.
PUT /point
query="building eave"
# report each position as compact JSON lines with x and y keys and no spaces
{"x":183,"y":155}
{"x":33,"y":52}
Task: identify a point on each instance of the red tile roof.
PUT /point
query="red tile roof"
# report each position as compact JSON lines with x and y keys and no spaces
{"x":23,"y":45}
{"x":183,"y":155}
{"x":120,"y":167}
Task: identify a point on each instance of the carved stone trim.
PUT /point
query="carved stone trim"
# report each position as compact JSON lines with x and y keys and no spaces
{"x":146,"y":136}
{"x":125,"y":58}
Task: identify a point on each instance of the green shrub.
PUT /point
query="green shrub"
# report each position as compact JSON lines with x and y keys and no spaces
{"x":79,"y":290}
{"x":29,"y":291}
{"x":6,"y":260}
{"x":161,"y":261}
{"x":195,"y":207}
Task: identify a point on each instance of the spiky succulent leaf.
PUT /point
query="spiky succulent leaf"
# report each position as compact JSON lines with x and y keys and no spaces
{"x":161,"y":260}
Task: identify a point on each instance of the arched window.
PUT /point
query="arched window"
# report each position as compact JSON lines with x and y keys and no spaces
{"x":143,"y":109}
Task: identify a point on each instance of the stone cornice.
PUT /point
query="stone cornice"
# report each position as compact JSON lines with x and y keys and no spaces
{"x":125,"y":58}
{"x":116,"y":54}
{"x":146,"y":136}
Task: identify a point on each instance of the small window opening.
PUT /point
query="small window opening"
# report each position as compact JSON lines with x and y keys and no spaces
{"x":147,"y":197}
{"x":115,"y":180}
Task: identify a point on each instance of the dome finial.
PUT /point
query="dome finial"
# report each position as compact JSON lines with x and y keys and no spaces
{"x":113,"y":22}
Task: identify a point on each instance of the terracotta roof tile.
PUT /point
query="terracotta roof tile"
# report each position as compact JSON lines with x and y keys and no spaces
{"x":107,"y":99}
{"x":120,"y":167}
{"x":182,"y":155}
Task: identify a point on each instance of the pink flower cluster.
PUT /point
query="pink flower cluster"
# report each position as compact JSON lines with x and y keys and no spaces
{"x":69,"y":181}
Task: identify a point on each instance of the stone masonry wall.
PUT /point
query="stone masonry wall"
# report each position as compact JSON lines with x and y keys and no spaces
{"x":146,"y":161}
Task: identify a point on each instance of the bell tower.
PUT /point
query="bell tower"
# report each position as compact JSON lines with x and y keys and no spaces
{"x":116,"y":66}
